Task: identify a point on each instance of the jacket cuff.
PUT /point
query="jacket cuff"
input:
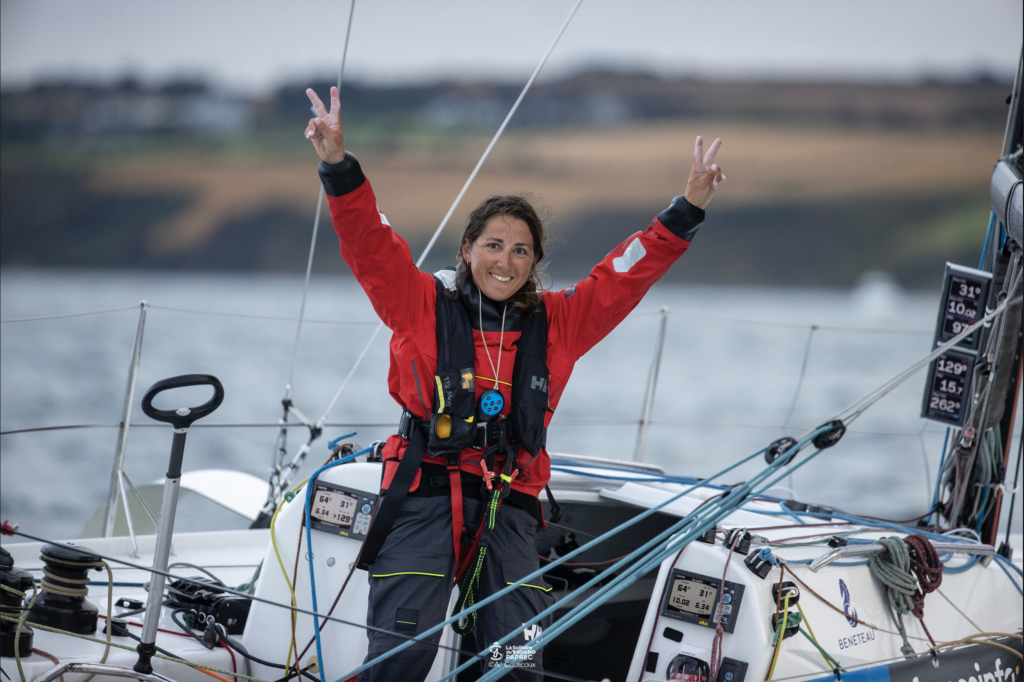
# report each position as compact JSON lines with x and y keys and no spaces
{"x":682,"y":218}
{"x":341,"y":178}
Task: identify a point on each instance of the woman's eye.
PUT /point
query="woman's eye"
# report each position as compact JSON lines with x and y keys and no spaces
{"x":493,"y":246}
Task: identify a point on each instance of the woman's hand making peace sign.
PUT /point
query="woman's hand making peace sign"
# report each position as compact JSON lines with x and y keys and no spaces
{"x":325,"y":129}
{"x":705,"y":175}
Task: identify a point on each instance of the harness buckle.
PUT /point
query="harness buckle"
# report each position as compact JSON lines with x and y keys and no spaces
{"x":453,"y":461}
{"x":405,"y":425}
{"x":489,"y":434}
{"x":488,"y":475}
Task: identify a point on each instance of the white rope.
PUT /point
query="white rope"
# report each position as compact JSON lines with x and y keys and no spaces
{"x":638,"y":313}
{"x":351,"y":372}
{"x":857,"y":408}
{"x":462,"y":192}
{"x":258,"y":317}
{"x":316,"y":222}
{"x":794,"y":325}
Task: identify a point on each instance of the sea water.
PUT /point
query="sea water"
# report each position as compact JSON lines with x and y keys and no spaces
{"x":729,"y":382}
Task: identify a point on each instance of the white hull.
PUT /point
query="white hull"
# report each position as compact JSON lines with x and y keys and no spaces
{"x":979,"y":599}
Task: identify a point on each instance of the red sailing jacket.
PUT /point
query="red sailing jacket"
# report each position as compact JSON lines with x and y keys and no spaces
{"x":405,"y":299}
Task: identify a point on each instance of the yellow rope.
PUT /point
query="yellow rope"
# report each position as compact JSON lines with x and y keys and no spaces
{"x":110,"y":612}
{"x":782,"y":635}
{"x":813,"y":636}
{"x":284,"y":571}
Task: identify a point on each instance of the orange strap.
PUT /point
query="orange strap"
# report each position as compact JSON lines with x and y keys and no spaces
{"x":458,"y":522}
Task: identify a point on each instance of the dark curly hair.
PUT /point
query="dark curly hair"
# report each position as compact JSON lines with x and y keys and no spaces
{"x":514,"y":206}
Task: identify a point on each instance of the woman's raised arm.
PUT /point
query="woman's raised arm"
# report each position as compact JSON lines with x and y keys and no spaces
{"x":584,"y":314}
{"x":400,"y":293}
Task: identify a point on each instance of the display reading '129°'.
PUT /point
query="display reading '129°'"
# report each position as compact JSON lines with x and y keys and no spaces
{"x":948,"y":391}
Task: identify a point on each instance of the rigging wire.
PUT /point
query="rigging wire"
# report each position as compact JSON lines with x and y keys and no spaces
{"x":251,"y":316}
{"x":316,"y":222}
{"x":857,"y":408}
{"x":462,"y":192}
{"x":66,"y":315}
{"x":800,"y":379}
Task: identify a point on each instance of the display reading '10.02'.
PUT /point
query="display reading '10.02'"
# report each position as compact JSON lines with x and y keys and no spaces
{"x":692,"y":597}
{"x":965,"y":294}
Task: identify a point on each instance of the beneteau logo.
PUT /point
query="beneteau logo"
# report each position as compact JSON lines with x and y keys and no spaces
{"x":851,"y":612}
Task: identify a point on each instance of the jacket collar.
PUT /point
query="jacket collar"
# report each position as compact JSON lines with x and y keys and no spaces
{"x":473,"y":301}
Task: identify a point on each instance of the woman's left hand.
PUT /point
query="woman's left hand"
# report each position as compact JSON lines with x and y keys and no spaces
{"x":705,"y":176}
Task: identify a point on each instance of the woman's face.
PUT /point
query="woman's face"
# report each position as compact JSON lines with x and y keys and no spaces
{"x":502,"y":258}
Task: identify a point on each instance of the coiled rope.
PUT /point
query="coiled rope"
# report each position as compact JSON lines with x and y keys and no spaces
{"x":66,"y":587}
{"x":893,"y":568}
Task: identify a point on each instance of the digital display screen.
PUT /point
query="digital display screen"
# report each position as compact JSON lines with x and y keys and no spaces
{"x":692,"y":596}
{"x":702,"y":600}
{"x":332,"y":506}
{"x":947,"y":393}
{"x":965,"y":294}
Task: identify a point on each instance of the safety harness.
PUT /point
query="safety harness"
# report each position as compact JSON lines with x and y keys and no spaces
{"x":453,"y":428}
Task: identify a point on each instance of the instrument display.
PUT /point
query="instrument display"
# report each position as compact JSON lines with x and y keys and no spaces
{"x":339,"y":510}
{"x":693,"y":598}
{"x":948,"y":389}
{"x":964,"y":296}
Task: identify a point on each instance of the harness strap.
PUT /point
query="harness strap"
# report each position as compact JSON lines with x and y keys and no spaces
{"x":390,"y":504}
{"x":458,"y":521}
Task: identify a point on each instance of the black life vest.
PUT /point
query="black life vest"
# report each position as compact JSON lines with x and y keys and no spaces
{"x":452,"y":427}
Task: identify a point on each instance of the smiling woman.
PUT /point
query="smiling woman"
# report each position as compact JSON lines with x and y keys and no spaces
{"x":469,"y":459}
{"x":502,"y":246}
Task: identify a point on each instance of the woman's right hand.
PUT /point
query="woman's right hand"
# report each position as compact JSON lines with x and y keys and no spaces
{"x":324,"y":131}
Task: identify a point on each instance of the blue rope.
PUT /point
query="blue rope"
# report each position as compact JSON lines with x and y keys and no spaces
{"x":657,"y":477}
{"x":698,"y":523}
{"x":334,"y":443}
{"x":988,"y":237}
{"x":1003,"y":563}
{"x":971,"y":563}
{"x":789,"y":512}
{"x":309,"y":548}
{"x":557,"y":562}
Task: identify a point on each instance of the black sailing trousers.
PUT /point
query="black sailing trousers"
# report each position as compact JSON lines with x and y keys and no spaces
{"x":410,"y":589}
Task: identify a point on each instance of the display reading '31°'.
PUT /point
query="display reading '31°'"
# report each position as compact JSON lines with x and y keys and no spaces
{"x":964,"y":295}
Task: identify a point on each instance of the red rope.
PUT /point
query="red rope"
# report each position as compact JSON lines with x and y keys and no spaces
{"x":716,"y":646}
{"x":926,"y":566}
{"x":234,"y":666}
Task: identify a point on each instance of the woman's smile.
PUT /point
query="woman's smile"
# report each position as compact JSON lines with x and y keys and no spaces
{"x":501,"y":259}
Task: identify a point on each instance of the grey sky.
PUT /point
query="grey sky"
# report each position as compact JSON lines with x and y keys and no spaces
{"x":254,"y":45}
